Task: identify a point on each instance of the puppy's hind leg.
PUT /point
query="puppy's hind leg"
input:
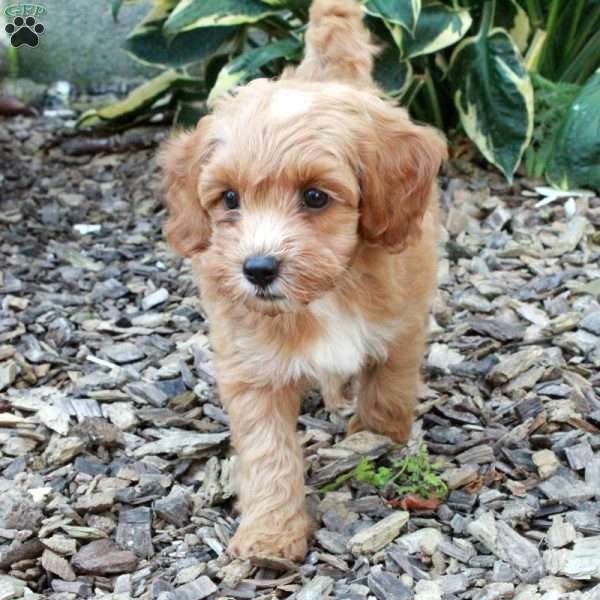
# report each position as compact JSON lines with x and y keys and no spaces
{"x":388,"y":391}
{"x":338,"y":393}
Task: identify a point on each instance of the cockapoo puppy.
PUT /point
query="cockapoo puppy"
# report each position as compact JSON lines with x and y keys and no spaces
{"x":308,"y":206}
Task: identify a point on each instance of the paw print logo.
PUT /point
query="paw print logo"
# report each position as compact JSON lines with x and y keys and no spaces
{"x":24,"y":32}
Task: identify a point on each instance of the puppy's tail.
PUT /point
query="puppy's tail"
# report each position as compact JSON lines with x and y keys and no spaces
{"x":338,"y":45}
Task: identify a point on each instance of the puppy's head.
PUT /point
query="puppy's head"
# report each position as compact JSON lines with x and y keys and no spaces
{"x":285,"y":179}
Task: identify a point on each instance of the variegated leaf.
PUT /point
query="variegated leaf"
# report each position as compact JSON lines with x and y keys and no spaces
{"x":575,"y":157}
{"x":510,"y":16}
{"x":391,"y":72}
{"x":494,"y":97}
{"x":438,"y":27}
{"x":247,"y":65}
{"x":192,"y":14}
{"x":160,"y":10}
{"x":138,"y":100}
{"x":396,"y":12}
{"x":147,"y":44}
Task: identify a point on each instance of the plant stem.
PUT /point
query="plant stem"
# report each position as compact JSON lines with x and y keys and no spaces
{"x":592,"y":24}
{"x":240,"y":41}
{"x":550,"y":29}
{"x":532,"y":58}
{"x":412,"y":91}
{"x":552,"y":16}
{"x":584,"y":64}
{"x":433,"y":101}
{"x":489,"y":8}
{"x":570,"y":41}
{"x":534,"y":12}
{"x":573,"y":28}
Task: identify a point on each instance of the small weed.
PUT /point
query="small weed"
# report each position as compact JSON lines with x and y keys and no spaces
{"x":414,"y":474}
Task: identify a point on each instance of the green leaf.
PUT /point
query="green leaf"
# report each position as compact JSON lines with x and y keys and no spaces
{"x":511,"y":16}
{"x":192,"y":14}
{"x":364,"y":470}
{"x":575,"y":157}
{"x":552,"y":101}
{"x":438,"y":27}
{"x":248,"y":65}
{"x":397,"y":12}
{"x":148,"y":44}
{"x":391,"y":72}
{"x":493,"y":95}
{"x":140,"y":98}
{"x":188,"y":114}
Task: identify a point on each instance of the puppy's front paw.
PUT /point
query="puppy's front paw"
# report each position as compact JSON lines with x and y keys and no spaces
{"x":252,"y":539}
{"x":242,"y":546}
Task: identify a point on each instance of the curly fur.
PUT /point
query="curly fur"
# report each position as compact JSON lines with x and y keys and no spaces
{"x":356,"y":278}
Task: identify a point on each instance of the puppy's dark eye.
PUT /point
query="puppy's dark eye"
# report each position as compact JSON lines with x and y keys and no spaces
{"x":314,"y":198}
{"x":231,"y":200}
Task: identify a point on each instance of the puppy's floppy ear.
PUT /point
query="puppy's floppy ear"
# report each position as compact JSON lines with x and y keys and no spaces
{"x":187,"y":228}
{"x":400,"y":161}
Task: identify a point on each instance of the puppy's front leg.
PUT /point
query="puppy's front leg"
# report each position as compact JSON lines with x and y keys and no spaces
{"x":271,"y":496}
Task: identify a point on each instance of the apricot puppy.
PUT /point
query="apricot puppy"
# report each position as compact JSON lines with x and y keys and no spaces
{"x":308,"y":208}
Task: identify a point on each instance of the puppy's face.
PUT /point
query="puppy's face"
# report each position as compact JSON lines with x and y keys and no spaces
{"x":282,"y":182}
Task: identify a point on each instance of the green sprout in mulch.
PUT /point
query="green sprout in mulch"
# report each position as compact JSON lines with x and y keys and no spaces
{"x":414,"y":474}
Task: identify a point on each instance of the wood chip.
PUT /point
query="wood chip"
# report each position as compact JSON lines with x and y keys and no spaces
{"x":378,"y":536}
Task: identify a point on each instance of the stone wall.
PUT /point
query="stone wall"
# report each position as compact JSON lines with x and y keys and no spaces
{"x":81,"y":43}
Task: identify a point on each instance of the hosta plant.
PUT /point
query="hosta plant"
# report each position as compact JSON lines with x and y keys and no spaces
{"x":454,"y":63}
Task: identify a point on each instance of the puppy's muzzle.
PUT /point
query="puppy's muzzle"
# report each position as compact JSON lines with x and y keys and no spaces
{"x":261,"y":270}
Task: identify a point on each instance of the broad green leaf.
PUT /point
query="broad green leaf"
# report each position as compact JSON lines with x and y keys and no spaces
{"x":575,"y":157}
{"x":494,"y":97}
{"x":247,"y":65}
{"x":160,"y":10}
{"x":392,"y":73}
{"x":552,"y":101}
{"x":148,"y":44}
{"x":192,"y":14}
{"x":438,"y":27}
{"x":395,"y":12}
{"x":511,"y":16}
{"x":140,"y":98}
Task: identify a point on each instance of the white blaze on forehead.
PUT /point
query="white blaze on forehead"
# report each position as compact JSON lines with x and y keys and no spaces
{"x":289,"y":103}
{"x":264,"y":232}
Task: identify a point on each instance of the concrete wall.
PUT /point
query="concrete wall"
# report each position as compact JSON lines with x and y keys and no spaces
{"x":81,"y":42}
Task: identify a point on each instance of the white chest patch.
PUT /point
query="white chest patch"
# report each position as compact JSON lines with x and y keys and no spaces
{"x":346,"y":340}
{"x":286,"y":104}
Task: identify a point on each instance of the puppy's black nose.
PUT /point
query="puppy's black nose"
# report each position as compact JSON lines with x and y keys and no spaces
{"x":261,"y":270}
